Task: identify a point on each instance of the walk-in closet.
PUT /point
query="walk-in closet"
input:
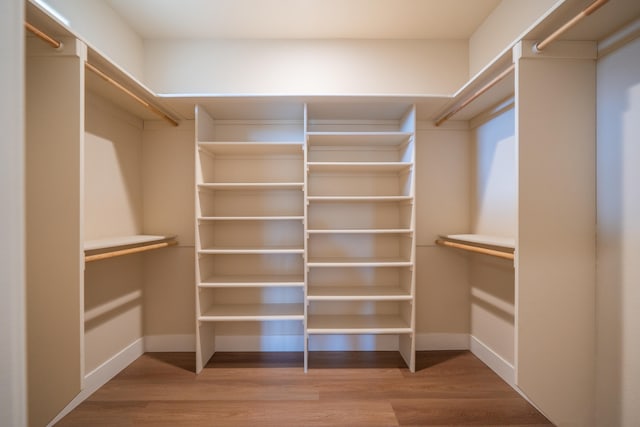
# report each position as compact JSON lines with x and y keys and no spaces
{"x":206,"y":192}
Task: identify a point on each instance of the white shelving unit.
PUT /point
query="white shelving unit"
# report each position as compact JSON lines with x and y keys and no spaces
{"x":360,"y":223}
{"x":250,"y":232}
{"x":311,"y":225}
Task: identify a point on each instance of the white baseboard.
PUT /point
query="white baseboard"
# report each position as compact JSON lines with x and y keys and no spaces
{"x":493,"y":360}
{"x":424,"y":342}
{"x":169,"y":343}
{"x":102,"y":374}
{"x":442,"y":341}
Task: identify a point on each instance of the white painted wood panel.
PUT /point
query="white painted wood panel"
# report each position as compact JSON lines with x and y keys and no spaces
{"x":555,"y":259}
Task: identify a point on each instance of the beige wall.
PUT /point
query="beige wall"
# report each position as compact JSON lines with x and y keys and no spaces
{"x":113,"y":289}
{"x":113,"y":173}
{"x":493,"y":207}
{"x":502,"y":28}
{"x":12,"y":260}
{"x":442,"y":207}
{"x":169,"y":189}
{"x":306,"y":66}
{"x":618,"y":286}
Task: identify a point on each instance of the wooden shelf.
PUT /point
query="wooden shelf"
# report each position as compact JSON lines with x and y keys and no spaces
{"x":357,"y":293}
{"x":365,"y":139}
{"x":359,"y":166}
{"x":111,"y":247}
{"x":357,"y":324}
{"x":252,"y":312}
{"x":359,"y":262}
{"x":252,"y":281}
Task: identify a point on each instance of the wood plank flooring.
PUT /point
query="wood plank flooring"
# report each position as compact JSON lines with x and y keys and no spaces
{"x":341,"y":389}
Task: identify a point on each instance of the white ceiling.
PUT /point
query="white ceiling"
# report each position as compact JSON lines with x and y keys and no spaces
{"x":305,"y":19}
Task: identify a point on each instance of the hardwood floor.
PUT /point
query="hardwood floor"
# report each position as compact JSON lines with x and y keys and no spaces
{"x":341,"y":389}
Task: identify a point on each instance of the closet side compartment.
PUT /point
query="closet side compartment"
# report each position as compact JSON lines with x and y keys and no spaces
{"x":54,"y":144}
{"x":556,"y":256}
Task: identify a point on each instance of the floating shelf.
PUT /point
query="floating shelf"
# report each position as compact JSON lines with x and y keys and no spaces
{"x":111,"y":247}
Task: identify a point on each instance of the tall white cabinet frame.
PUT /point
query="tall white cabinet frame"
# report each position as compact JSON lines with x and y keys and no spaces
{"x":249,"y":231}
{"x":317,"y":231}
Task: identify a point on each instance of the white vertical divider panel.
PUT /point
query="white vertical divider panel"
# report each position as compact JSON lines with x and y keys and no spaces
{"x":407,"y":342}
{"x":55,"y":257}
{"x":306,"y":237}
{"x":13,"y":387}
{"x":205,"y":331}
{"x":555,"y":255}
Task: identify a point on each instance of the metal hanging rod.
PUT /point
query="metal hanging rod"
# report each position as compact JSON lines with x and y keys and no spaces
{"x":138,"y":99}
{"x":597,"y":4}
{"x":477,"y":249}
{"x":475,"y":95}
{"x":43,"y":36}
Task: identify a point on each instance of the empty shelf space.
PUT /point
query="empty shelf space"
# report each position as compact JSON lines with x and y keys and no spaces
{"x":252,"y":312}
{"x":124,"y":245}
{"x":358,"y":166}
{"x":359,"y":262}
{"x":251,"y":281}
{"x":251,"y":148}
{"x":357,"y":324}
{"x":357,"y":293}
{"x":358,"y":138}
{"x":251,"y":185}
